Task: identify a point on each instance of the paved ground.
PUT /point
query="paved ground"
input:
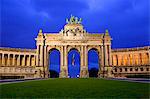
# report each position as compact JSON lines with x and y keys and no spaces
{"x":139,"y":80}
{"x":9,"y":81}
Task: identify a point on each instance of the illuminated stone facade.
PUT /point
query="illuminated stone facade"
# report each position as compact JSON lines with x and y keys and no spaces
{"x":17,"y":62}
{"x":131,"y":61}
{"x":34,"y":63}
{"x":73,"y":36}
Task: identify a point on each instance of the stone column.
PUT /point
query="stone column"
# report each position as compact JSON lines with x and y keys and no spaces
{"x":102,"y":56}
{"x":37,"y":56}
{"x":46,"y":70}
{"x":18,"y":60}
{"x":62,"y":56}
{"x":106,"y":55}
{"x":3,"y":59}
{"x":139,"y":61}
{"x":0,"y":59}
{"x":82,"y":57}
{"x":41,"y":55}
{"x":62,"y":61}
{"x":64,"y":68}
{"x":34,"y":60}
{"x":82,"y":62}
{"x":85,"y":55}
{"x":8,"y":59}
{"x":116,"y":56}
{"x":101,"y":61}
{"x":149,"y":58}
{"x":133,"y":59}
{"x":24,"y":60}
{"x":14,"y":58}
{"x":141,"y":58}
{"x":29,"y":60}
{"x":105,"y":59}
{"x":110,"y":57}
{"x":45,"y":55}
{"x":84,"y":69}
{"x":128,"y":60}
{"x":122,"y":62}
{"x":65,"y":55}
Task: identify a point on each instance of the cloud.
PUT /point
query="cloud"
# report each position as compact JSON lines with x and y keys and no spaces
{"x":127,"y":20}
{"x":58,"y":8}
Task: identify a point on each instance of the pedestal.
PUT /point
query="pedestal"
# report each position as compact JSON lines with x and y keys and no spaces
{"x":84,"y":72}
{"x":63,"y":72}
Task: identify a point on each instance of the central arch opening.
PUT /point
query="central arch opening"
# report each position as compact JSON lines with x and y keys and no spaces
{"x":73,"y":63}
{"x":54,"y":63}
{"x":93,"y":62}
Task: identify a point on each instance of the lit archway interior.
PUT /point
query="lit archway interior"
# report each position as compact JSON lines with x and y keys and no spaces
{"x":54,"y":63}
{"x":73,"y":63}
{"x":93,"y":63}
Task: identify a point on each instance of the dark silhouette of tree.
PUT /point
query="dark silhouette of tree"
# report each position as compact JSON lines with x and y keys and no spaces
{"x":53,"y":74}
{"x":93,"y":72}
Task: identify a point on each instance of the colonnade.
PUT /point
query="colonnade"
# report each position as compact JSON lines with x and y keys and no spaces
{"x":10,"y":59}
{"x":129,"y":59}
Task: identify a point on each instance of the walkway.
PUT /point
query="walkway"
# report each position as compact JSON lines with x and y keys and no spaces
{"x":140,"y":80}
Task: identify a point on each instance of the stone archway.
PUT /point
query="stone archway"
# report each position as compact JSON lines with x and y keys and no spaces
{"x":53,"y":67}
{"x":93,"y":67}
{"x":73,"y":35}
{"x":73,"y":63}
{"x":98,"y":49}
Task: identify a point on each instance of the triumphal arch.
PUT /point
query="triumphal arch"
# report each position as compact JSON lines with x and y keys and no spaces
{"x":34,"y":63}
{"x":74,"y":36}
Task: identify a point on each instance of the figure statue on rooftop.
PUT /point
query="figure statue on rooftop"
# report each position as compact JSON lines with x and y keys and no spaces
{"x":73,"y":20}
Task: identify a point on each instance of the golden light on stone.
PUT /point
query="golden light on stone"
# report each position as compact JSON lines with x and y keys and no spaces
{"x":33,"y":63}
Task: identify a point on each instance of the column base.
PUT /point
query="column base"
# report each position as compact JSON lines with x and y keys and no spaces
{"x":110,"y":72}
{"x":64,"y":72}
{"x":101,"y":74}
{"x":84,"y":72}
{"x":106,"y":72}
{"x":39,"y":72}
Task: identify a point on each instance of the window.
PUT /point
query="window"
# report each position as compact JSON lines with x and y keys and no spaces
{"x":136,"y":69}
{"x":126,"y":69}
{"x":147,"y":69}
{"x":115,"y":69}
{"x":120,"y":69}
{"x":141,"y":69}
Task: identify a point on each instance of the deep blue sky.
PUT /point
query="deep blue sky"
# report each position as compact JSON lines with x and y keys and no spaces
{"x":127,"y":20}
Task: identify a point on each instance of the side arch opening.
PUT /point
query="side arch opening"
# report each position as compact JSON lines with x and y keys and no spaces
{"x":54,"y":63}
{"x":93,"y":62}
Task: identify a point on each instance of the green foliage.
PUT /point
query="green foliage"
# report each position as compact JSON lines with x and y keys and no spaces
{"x":75,"y":88}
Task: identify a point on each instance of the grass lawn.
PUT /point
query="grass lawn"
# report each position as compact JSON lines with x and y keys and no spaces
{"x":75,"y":88}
